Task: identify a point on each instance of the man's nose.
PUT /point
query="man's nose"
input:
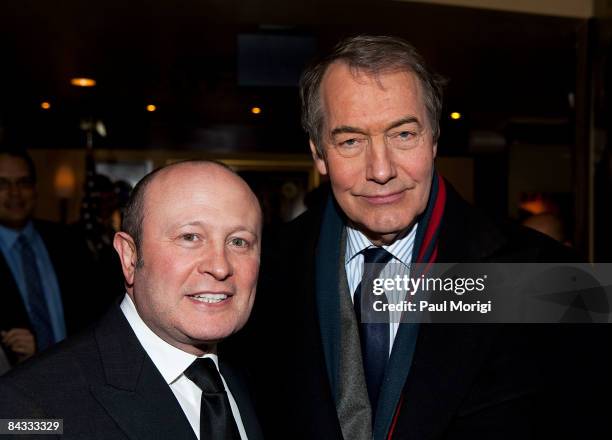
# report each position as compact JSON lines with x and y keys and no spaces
{"x":215,"y":262}
{"x":380,"y":166}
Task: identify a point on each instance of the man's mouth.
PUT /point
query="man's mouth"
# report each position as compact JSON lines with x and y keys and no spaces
{"x":382,"y":199}
{"x":210,"y":298}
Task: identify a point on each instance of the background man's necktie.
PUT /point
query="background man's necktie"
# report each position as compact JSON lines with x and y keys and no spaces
{"x":216,"y":419}
{"x":374,"y":336}
{"x":39,"y":311}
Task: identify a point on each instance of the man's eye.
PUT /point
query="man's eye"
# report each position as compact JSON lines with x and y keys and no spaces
{"x":404,"y":139}
{"x":239,"y":242}
{"x":190,"y":237}
{"x":403,"y":135}
{"x":353,"y":142}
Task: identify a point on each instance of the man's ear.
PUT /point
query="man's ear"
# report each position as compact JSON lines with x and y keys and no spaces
{"x":435,"y":149}
{"x":318,"y":160}
{"x":126,"y":248}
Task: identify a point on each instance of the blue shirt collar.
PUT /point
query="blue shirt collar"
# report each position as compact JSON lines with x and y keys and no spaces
{"x":8,"y":236}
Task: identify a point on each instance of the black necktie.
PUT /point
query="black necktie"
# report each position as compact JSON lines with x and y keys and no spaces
{"x":374,"y":336}
{"x":216,"y":419}
{"x":39,"y":311}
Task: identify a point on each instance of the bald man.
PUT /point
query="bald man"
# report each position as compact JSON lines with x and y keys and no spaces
{"x":189,"y":249}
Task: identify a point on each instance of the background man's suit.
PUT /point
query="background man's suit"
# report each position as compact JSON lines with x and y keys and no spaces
{"x":105,"y":386}
{"x":73,"y":271}
{"x":452,"y":381}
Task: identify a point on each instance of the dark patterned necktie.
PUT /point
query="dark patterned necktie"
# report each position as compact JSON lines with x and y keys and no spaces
{"x":39,"y":310}
{"x":374,"y":336}
{"x":216,"y":419}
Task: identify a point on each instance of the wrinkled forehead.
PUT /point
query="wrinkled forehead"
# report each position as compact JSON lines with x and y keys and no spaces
{"x":340,"y":75}
{"x":349,"y":91}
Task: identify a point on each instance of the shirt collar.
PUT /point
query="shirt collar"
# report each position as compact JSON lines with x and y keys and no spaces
{"x":8,"y":236}
{"x":400,"y":249}
{"x":169,"y":360}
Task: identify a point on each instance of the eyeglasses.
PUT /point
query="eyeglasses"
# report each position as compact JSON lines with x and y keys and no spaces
{"x":22,"y":183}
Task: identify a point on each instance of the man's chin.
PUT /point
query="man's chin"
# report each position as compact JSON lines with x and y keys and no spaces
{"x":384,"y":233}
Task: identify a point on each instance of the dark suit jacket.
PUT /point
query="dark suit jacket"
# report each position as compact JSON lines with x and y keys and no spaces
{"x":449,"y":381}
{"x":72,"y":267}
{"x":104,"y":386}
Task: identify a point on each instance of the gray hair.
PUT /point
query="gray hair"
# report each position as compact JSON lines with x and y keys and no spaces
{"x":373,"y":55}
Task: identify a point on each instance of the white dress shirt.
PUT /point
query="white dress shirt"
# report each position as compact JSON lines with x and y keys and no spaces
{"x":172,"y":363}
{"x":399,"y":265}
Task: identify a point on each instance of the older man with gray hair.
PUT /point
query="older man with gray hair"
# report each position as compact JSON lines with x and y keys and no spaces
{"x":372,"y":109}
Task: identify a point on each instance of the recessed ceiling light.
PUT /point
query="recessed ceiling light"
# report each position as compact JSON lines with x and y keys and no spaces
{"x":83,"y":82}
{"x":256,"y":110}
{"x":45,"y":105}
{"x":455,"y":115}
{"x":151,"y":108}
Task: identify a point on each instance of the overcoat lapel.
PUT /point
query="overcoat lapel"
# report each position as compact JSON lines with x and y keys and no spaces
{"x":451,"y":351}
{"x":397,"y":371}
{"x":135,"y":395}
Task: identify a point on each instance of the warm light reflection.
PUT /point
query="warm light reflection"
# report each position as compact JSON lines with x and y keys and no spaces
{"x":455,"y":115}
{"x":151,"y":108}
{"x":534,"y":205}
{"x":64,"y":181}
{"x":45,"y":105}
{"x":83,"y":82}
{"x":256,"y":110}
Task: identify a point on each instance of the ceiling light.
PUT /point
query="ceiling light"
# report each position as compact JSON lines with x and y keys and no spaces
{"x":83,"y":82}
{"x":151,"y":108}
{"x":256,"y":110}
{"x":45,"y":105}
{"x":455,"y":115}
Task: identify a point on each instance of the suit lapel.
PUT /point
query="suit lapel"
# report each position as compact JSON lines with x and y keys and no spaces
{"x":135,"y":395}
{"x":238,"y":386}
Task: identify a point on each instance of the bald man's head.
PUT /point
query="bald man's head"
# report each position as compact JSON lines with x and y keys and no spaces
{"x":193,"y":271}
{"x":135,"y":208}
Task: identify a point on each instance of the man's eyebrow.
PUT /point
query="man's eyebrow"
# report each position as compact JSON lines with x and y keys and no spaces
{"x":346,"y":129}
{"x":349,"y":129}
{"x":236,"y":228}
{"x":402,"y":121}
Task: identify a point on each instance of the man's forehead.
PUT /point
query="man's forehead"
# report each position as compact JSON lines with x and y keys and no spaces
{"x":366,"y":76}
{"x":189,"y":183}
{"x":13,"y":165}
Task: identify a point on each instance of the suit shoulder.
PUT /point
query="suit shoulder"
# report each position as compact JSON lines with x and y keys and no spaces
{"x":60,"y":373}
{"x":543,"y":248}
{"x":469,"y":230}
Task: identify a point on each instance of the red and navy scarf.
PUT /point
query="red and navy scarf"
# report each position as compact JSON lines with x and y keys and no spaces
{"x":426,"y":247}
{"x":426,"y":240}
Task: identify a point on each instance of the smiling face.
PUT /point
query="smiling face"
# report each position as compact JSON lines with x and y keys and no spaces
{"x":378,"y":149}
{"x":200,"y":255}
{"x":17,"y":192}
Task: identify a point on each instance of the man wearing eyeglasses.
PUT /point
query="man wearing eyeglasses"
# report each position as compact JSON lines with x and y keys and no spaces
{"x":38,"y":266}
